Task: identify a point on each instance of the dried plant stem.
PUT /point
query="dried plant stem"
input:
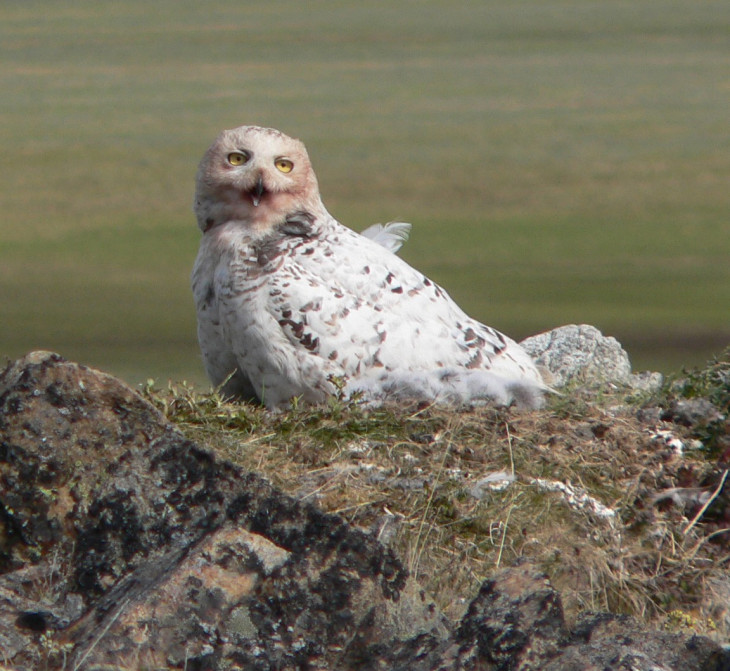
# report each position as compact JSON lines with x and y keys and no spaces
{"x":693,"y":553}
{"x":504,"y":535}
{"x":702,"y":510}
{"x":103,"y":633}
{"x":421,"y":537}
{"x":511,"y":456}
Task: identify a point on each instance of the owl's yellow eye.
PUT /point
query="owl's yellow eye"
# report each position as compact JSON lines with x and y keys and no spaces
{"x":237,"y":158}
{"x":283,"y":165}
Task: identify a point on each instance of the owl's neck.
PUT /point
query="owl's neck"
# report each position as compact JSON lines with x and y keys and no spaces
{"x":239,"y":211}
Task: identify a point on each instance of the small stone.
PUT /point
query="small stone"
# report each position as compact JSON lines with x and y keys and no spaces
{"x":693,"y":412}
{"x":580,"y":354}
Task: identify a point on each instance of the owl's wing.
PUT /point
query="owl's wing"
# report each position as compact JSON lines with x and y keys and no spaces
{"x":337,"y":304}
{"x":392,"y":235}
{"x":208,"y":276}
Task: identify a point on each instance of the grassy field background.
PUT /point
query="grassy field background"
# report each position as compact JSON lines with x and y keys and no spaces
{"x":562,"y":162}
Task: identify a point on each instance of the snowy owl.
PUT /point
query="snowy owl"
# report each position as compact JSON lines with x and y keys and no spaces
{"x":291,"y":303}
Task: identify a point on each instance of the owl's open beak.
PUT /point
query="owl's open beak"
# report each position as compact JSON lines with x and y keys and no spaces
{"x":258,"y":191}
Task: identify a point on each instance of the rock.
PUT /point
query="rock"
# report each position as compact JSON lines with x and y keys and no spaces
{"x":646,"y":381}
{"x":516,"y":623}
{"x":579,"y":354}
{"x":124,"y":545}
{"x":529,"y":640}
{"x":603,"y":641}
{"x":693,"y":412}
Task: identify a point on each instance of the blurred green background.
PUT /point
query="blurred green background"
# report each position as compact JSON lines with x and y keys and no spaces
{"x":561,"y":162}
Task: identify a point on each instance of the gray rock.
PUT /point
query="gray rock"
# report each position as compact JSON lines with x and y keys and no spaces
{"x":692,"y":412}
{"x":126,"y":544}
{"x":580,"y":354}
{"x":646,"y":381}
{"x":516,"y":623}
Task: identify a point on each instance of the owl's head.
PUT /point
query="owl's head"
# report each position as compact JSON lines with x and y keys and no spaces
{"x":254,"y":176}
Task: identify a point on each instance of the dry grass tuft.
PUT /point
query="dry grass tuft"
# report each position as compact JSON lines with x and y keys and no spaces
{"x":622,"y":506}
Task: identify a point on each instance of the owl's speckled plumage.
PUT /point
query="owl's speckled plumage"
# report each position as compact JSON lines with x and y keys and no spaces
{"x":289,"y":300}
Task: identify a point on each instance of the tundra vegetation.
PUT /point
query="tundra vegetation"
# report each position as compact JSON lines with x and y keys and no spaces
{"x":620,"y":497}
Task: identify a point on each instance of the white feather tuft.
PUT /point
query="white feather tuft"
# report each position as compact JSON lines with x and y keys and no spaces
{"x":391,"y":235}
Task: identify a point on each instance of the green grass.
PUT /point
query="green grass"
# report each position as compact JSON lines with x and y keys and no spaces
{"x":561,"y":162}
